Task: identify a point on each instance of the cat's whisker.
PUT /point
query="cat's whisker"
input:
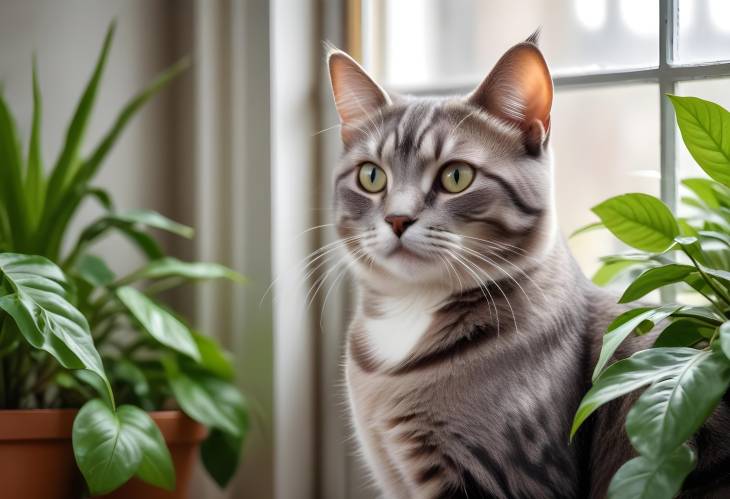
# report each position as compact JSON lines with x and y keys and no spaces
{"x":482,"y":285}
{"x":343,"y":272}
{"x":338,"y":125}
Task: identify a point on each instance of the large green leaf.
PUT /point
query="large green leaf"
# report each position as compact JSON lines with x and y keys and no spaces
{"x":40,"y":308}
{"x":221,"y":453}
{"x":704,"y":127}
{"x":111,"y":447}
{"x":171,"y":267}
{"x":645,"y":478}
{"x":94,"y":271}
{"x":214,"y":402}
{"x":158,"y":322}
{"x":213,"y":358}
{"x":639,"y":220}
{"x":627,"y":375}
{"x":624,"y":325}
{"x":655,"y":278}
{"x":674,"y":407}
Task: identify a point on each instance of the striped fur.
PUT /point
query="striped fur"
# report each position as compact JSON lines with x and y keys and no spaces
{"x":475,"y":333}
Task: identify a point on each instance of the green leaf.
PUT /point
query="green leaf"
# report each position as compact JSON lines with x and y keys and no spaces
{"x":207,"y":399}
{"x":35,"y":187}
{"x":704,"y":126}
{"x":11,"y":173}
{"x":111,"y":447}
{"x":94,"y":271}
{"x":722,"y":237}
{"x":46,"y":319}
{"x":158,"y":322}
{"x":725,"y":338}
{"x":699,"y":313}
{"x":148,"y":218}
{"x":221,"y":453}
{"x":213,"y":358}
{"x":171,"y":267}
{"x":645,"y":478}
{"x":675,"y":406}
{"x":586,"y":228}
{"x":655,"y":278}
{"x":639,"y":220}
{"x":65,"y":166}
{"x":627,"y":375}
{"x":682,"y":333}
{"x":705,"y":190}
{"x":610,"y":270}
{"x":624,"y":325}
{"x":128,"y":372}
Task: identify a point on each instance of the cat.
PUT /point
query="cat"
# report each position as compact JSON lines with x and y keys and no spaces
{"x":474,"y":333}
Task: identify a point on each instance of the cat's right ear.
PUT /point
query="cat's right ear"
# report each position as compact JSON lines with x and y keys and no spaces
{"x":356,"y":94}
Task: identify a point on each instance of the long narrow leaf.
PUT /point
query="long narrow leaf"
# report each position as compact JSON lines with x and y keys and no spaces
{"x":11,"y":174}
{"x":34,"y":180}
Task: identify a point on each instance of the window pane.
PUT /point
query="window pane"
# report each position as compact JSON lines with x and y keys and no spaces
{"x":606,"y":142}
{"x":434,"y":42}
{"x":713,"y":90}
{"x":704,"y":31}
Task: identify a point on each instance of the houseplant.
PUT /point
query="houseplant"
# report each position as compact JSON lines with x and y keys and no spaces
{"x":74,"y":335}
{"x":687,"y":371}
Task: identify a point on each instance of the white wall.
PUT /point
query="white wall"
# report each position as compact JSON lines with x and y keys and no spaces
{"x":67,"y":36}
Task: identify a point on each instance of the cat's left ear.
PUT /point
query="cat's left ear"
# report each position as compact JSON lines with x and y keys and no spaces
{"x":356,"y":94}
{"x":520,"y":90}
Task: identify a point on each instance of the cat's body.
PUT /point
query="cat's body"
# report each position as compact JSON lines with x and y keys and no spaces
{"x":475,"y":333}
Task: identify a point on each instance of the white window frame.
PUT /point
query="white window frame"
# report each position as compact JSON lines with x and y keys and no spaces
{"x":666,"y":75}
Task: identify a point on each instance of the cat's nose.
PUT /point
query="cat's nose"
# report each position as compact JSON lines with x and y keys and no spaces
{"x":399,"y":223}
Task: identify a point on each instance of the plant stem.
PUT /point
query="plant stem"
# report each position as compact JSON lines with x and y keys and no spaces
{"x":710,"y":282}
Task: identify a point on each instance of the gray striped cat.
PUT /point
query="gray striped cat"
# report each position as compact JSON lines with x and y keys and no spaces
{"x":474,"y":333}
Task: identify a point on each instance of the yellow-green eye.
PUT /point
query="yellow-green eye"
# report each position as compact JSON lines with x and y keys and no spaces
{"x":456,"y":177}
{"x":371,"y":177}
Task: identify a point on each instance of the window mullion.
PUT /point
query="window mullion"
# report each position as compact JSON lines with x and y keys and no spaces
{"x":667,"y":23}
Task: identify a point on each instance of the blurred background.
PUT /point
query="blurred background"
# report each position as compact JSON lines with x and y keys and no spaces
{"x":242,"y":147}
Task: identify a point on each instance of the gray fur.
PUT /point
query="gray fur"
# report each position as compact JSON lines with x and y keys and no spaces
{"x":481,"y":405}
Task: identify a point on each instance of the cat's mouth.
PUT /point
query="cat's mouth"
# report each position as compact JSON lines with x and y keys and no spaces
{"x":402,"y":251}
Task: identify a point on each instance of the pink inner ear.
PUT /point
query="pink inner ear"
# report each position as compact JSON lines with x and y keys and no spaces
{"x":356,"y":94}
{"x":519,"y":89}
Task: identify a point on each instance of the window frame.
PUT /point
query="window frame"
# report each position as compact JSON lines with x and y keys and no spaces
{"x":666,"y":75}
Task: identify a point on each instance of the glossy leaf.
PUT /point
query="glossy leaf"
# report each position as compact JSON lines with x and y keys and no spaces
{"x":682,"y":333}
{"x":645,"y":478}
{"x":207,"y":399}
{"x":46,"y":319}
{"x":611,"y":270}
{"x":725,"y":338}
{"x":704,"y":126}
{"x":158,"y":322}
{"x":640,"y":220}
{"x":674,"y":407}
{"x":221,"y":453}
{"x":629,"y":374}
{"x":172,"y":267}
{"x":112,"y":447}
{"x":655,"y":278}
{"x":213,"y":358}
{"x":623,"y":326}
{"x":94,"y":271}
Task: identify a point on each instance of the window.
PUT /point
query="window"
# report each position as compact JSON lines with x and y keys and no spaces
{"x":612,"y":62}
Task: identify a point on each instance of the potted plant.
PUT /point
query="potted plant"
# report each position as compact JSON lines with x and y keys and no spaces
{"x":687,"y":371}
{"x":92,"y":362}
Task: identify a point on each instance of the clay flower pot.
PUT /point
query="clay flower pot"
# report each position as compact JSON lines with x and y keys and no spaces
{"x":37,"y":461}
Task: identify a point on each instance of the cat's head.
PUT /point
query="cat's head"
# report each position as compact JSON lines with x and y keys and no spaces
{"x":446,"y":190}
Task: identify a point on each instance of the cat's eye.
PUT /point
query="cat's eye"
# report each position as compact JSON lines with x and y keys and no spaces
{"x":456,"y":177}
{"x":372,"y":177}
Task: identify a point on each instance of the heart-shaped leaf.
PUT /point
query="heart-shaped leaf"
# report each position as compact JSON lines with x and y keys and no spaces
{"x":158,"y":322}
{"x":645,"y":478}
{"x":639,"y":220}
{"x":675,"y":406}
{"x":704,"y":126}
{"x":112,"y":447}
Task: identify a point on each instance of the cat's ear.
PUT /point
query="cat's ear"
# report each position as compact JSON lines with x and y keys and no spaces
{"x":356,"y":93}
{"x":520,"y":90}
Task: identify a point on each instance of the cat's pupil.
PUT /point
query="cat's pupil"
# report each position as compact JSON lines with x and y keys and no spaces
{"x":372,"y":175}
{"x":456,"y":176}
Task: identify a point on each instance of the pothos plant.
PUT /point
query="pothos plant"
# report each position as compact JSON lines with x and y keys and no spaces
{"x":687,"y":371}
{"x":74,"y":334}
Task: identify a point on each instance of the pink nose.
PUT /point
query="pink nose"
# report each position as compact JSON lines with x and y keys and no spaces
{"x":399,"y":223}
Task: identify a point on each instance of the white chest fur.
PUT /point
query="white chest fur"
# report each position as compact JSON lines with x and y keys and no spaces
{"x":401,"y":323}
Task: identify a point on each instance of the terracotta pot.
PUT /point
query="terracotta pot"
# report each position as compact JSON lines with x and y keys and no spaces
{"x":36,"y":458}
{"x":37,"y":461}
